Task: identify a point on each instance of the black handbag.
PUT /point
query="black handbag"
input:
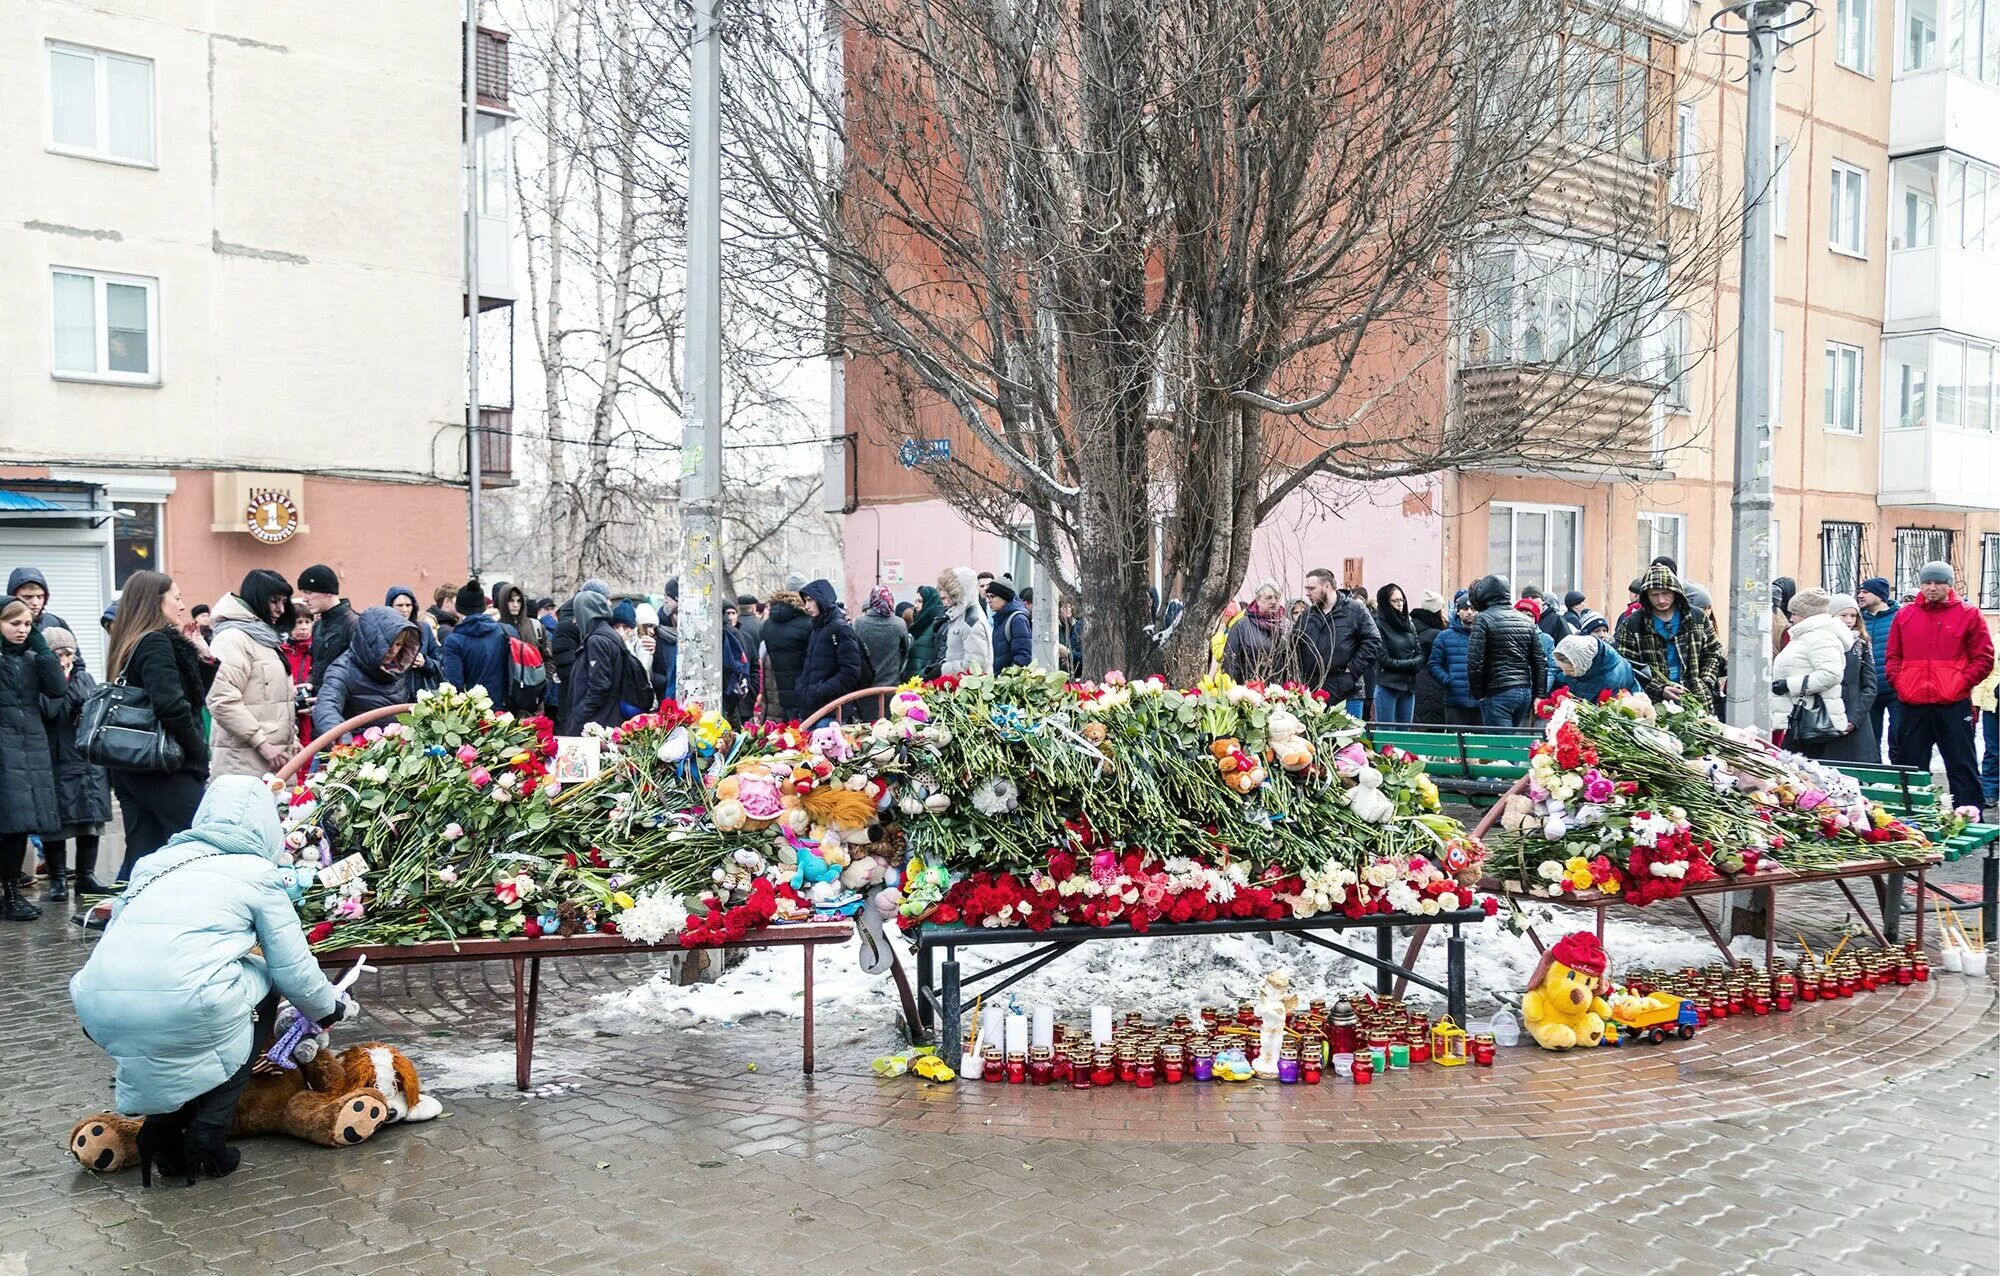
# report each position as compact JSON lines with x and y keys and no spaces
{"x":118,"y":729}
{"x":1810,"y":723}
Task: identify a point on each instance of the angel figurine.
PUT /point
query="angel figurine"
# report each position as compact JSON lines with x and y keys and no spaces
{"x":1275,"y":1000}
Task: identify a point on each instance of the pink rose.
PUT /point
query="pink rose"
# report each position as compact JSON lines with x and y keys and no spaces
{"x":467,"y":754}
{"x":1598,"y":789}
{"x":480,"y":777}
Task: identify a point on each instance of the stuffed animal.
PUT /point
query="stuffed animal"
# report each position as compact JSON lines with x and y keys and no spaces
{"x":332,"y":1100}
{"x":1564,"y":1005}
{"x":1286,"y":737}
{"x":753,"y":796}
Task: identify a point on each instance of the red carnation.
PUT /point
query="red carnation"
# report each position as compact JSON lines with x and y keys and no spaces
{"x":319,"y":932}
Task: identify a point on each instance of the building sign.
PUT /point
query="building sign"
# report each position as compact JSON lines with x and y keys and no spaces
{"x":915,"y":452}
{"x":271,"y":516}
{"x":892,"y":571}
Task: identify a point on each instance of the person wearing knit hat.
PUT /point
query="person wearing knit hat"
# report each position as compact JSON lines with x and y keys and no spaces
{"x":1449,"y":663}
{"x":794,"y":582}
{"x":1858,"y":688}
{"x":999,"y":590}
{"x":1433,"y":601}
{"x":1939,"y":650}
{"x":1809,"y":669}
{"x":1808,"y":602}
{"x":1590,"y":668}
{"x":475,"y":653}
{"x":1878,"y":611}
{"x":333,"y":619}
{"x":1573,"y":610}
{"x":1013,"y":629}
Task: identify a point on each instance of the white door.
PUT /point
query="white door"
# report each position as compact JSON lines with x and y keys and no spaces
{"x":76,"y":564}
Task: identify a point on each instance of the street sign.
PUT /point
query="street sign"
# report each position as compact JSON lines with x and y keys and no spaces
{"x":915,"y":452}
{"x":892,"y":571}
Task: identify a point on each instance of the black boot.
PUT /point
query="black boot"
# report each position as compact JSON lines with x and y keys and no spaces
{"x":86,"y":882}
{"x":14,"y":906}
{"x":56,"y":855}
{"x":208,"y":1154}
{"x":88,"y":885}
{"x":160,"y":1143}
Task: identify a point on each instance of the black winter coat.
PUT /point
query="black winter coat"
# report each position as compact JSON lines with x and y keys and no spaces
{"x":83,"y":791}
{"x":1402,"y":654}
{"x":1858,"y":690}
{"x":787,"y":632}
{"x":1430,"y":695}
{"x":609,"y":678}
{"x":835,"y":664}
{"x":1335,"y":649}
{"x":176,"y":680}
{"x":31,"y":689}
{"x":333,"y":634}
{"x":1505,"y":649}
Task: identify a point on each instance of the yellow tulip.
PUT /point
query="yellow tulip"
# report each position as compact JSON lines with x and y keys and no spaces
{"x":623,"y":900}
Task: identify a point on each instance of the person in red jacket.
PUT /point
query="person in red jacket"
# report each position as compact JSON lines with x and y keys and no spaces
{"x":1939,"y":651}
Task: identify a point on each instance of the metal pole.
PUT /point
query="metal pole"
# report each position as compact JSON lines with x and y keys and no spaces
{"x":1750,"y":504}
{"x":474,"y":479}
{"x":700,"y":677}
{"x":1046,"y":603}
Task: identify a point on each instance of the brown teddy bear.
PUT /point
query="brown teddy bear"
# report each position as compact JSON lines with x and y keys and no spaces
{"x":332,"y":1100}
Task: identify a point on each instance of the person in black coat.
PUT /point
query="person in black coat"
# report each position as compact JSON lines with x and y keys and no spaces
{"x":1858,"y":690}
{"x":333,"y":618}
{"x":835,"y":664}
{"x":566,"y":636}
{"x":155,"y":648}
{"x":1429,"y":621}
{"x":1402,"y":657}
{"x":1503,"y":657}
{"x":1335,"y":644}
{"x":787,"y":633}
{"x":608,"y":684}
{"x":83,"y":791}
{"x":30,"y":682}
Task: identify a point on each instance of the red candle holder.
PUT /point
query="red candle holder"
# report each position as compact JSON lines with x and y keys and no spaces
{"x":1923,"y":969}
{"x":1017,"y":1069}
{"x":1143,"y":1074}
{"x":1079,"y":1072}
{"x":992,"y":1065}
{"x":1103,"y":1069}
{"x":1041,"y":1066}
{"x":1173,"y":1065}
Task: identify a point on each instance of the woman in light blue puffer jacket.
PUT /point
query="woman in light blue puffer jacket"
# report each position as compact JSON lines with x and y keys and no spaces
{"x":174,"y":993}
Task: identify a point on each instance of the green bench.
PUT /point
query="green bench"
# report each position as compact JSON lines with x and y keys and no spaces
{"x":1479,"y":764}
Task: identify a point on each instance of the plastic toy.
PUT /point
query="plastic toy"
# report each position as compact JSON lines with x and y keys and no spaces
{"x":1564,"y":1006}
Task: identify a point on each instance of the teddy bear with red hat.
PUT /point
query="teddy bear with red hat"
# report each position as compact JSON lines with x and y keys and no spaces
{"x":1564,"y":1006}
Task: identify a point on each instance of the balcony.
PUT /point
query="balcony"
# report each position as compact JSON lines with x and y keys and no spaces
{"x":494,"y":157}
{"x":1939,"y":109}
{"x":492,"y":60}
{"x":1548,"y":421}
{"x":1941,"y":433}
{"x":1939,"y":468}
{"x":496,"y":447}
{"x":1944,"y":246}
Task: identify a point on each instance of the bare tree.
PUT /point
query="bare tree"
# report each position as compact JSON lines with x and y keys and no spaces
{"x":1156,"y":266}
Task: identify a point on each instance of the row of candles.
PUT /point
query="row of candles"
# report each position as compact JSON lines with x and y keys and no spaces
{"x":1359,"y":1040}
{"x":1723,"y":991}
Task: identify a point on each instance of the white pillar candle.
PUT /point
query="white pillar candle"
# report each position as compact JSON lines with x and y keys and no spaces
{"x":1100,"y":1025}
{"x":1044,"y":1033}
{"x":992,"y":1024}
{"x":1017,"y":1034}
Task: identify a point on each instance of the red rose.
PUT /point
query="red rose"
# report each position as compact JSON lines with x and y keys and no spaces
{"x":1491,"y":905}
{"x":319,"y":932}
{"x":532,"y":929}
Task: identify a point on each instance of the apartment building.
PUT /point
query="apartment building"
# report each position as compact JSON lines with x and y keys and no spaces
{"x":1886,"y":450}
{"x":231,"y":241}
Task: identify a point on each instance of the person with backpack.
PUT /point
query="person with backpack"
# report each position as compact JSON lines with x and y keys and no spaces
{"x":83,"y":791}
{"x":787,"y":633}
{"x":31,"y":684}
{"x":155,"y":647}
{"x":253,"y":730}
{"x":1013,"y":628}
{"x":835,"y":664}
{"x":608,"y":684}
{"x":476,"y":651}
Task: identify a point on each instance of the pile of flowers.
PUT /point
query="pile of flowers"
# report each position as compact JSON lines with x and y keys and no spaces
{"x":1628,"y":798}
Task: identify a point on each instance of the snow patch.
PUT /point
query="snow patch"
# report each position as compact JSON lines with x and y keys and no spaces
{"x":768,"y":981}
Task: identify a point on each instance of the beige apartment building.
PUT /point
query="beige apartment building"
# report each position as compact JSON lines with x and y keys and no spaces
{"x":231,"y":247}
{"x":1886,"y":450}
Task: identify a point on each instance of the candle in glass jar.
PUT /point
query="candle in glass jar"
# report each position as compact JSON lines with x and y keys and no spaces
{"x":1288,"y":1066}
{"x":1364,"y":1067}
{"x":1041,"y":1066}
{"x":1017,"y":1069}
{"x":993,"y":1065}
{"x":1103,"y":1068}
{"x":1173,"y":1065}
{"x":1143,"y":1074}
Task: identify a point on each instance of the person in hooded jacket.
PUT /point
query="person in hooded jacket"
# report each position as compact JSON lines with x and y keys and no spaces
{"x":511,"y":609}
{"x":1402,"y":657}
{"x":252,"y":728}
{"x":836,"y":664}
{"x":926,"y":626}
{"x":1857,"y":687}
{"x":83,"y":791}
{"x":31,"y":684}
{"x":31,"y":587}
{"x":968,"y":634}
{"x":1589,"y":668}
{"x":1878,"y":611}
{"x":1430,"y":622}
{"x":886,"y":639}
{"x":1504,"y":667}
{"x":475,"y":651}
{"x":373,"y":673}
{"x":1013,"y":627}
{"x":1939,"y":650}
{"x":608,"y":684}
{"x":1448,"y":663}
{"x":566,"y":638}
{"x":154,"y":646}
{"x":1813,"y":663}
{"x":1257,"y":647}
{"x":787,"y":633}
{"x":182,"y":989}
{"x":1669,"y":644}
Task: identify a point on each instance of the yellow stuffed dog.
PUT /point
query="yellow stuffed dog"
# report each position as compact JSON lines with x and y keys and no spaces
{"x":1564,"y":1005}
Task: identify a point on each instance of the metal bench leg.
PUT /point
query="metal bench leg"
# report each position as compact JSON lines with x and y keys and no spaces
{"x":1920,"y":909}
{"x":951,"y":1037}
{"x":808,"y":949}
{"x":1892,"y":908}
{"x":1455,"y":975}
{"x":1989,"y":895}
{"x":1384,"y":942}
{"x":527,"y":995}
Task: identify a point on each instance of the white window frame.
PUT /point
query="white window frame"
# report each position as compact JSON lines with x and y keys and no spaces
{"x":1863,"y":53}
{"x":1989,"y":571}
{"x":1777,"y":377}
{"x":102,"y":316}
{"x":1781,"y":187}
{"x":1686,"y":191}
{"x":1676,"y":338}
{"x":1676,"y":545}
{"x":1919,"y":55}
{"x":1839,"y":170}
{"x":102,"y":150}
{"x":1838,"y":355}
{"x":1514,"y":509}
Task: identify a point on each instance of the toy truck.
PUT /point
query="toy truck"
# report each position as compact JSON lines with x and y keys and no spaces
{"x":1654,"y":1017}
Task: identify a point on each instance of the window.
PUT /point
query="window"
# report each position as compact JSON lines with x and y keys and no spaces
{"x":1674,"y":361}
{"x":104,"y":326}
{"x":1605,"y":68}
{"x":1854,"y":35}
{"x":1781,"y":188}
{"x":100,"y":104}
{"x":1843,"y":388}
{"x":1685,"y":182}
{"x":1920,"y":33}
{"x":1535,"y":545}
{"x":1975,"y":39}
{"x":1916,"y":221}
{"x":1662,"y":534}
{"x":1972,"y":206}
{"x":1840,"y":557}
{"x":1591,"y":311}
{"x":1912,"y":395}
{"x":493,"y":156}
{"x":1989,"y":572}
{"x":1916,"y":546}
{"x":135,"y":541}
{"x":1849,"y":208}
{"x":1963,"y":376}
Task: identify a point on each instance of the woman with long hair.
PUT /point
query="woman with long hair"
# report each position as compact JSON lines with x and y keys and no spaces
{"x":31,"y":682}
{"x":155,"y":646}
{"x":250,"y":705}
{"x":1402,"y":656}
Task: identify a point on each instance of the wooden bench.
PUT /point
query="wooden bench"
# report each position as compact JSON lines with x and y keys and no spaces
{"x":526,"y":957}
{"x":1909,"y":794}
{"x":1478,"y":764}
{"x":941,"y":987}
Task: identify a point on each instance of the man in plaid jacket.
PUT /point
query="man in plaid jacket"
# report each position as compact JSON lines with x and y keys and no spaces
{"x":1670,"y":644}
